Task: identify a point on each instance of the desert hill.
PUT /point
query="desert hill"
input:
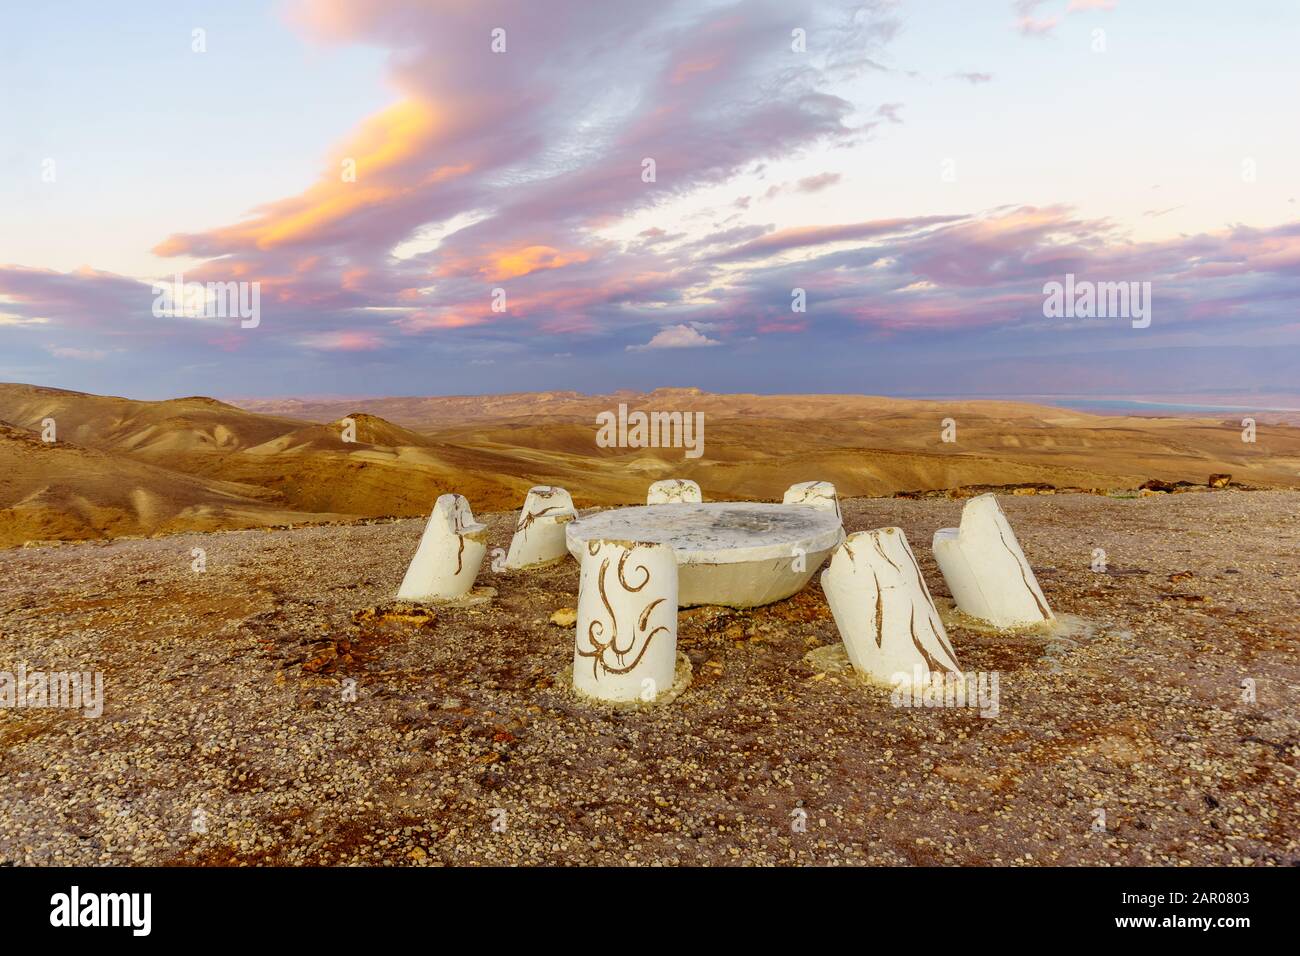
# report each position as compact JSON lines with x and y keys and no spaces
{"x":366,"y":429}
{"x":429,"y":412}
{"x":280,"y":470}
{"x":62,"y":490}
{"x":130,"y":467}
{"x":866,"y":444}
{"x":147,"y":429}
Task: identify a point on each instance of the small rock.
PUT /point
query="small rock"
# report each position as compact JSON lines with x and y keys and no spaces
{"x":565,"y":617}
{"x":401,"y":612}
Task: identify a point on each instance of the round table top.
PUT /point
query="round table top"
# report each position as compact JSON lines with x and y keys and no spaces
{"x":715,"y":532}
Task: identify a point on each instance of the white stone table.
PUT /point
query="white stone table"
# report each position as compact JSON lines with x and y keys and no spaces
{"x":738,"y":554}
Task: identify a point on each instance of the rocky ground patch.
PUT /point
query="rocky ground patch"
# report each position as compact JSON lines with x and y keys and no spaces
{"x":278,"y":708}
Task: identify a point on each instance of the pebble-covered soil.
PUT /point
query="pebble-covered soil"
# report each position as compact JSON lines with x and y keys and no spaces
{"x":249,"y":719}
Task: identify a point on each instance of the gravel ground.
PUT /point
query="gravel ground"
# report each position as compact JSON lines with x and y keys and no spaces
{"x":227,"y":710}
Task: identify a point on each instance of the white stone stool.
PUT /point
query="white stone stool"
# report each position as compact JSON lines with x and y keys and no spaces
{"x":450,"y":553}
{"x":674,"y":491}
{"x":986,"y":571}
{"x":883,"y":609}
{"x":539,"y":535}
{"x":626,"y":643}
{"x":815,"y":494}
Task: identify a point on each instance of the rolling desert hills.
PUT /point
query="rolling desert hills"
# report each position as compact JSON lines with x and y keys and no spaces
{"x":124,"y":467}
{"x":61,"y":490}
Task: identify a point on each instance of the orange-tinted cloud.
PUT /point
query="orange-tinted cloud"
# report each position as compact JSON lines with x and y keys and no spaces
{"x":363,"y":174}
{"x":512,"y":263}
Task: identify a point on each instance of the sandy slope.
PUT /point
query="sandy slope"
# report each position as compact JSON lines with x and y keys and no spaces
{"x":278,"y":470}
{"x":153,"y":430}
{"x":65,"y":491}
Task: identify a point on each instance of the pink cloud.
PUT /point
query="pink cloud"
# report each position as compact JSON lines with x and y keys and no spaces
{"x":507,"y":143}
{"x":344,"y":341}
{"x":1029,"y":24}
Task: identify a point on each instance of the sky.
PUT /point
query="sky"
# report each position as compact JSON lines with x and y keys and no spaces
{"x":770,"y":196}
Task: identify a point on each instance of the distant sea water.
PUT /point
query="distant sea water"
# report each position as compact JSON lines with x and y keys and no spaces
{"x":1127,"y":405}
{"x":1134,"y":406}
{"x":1122,"y":405}
{"x":1131,"y":406}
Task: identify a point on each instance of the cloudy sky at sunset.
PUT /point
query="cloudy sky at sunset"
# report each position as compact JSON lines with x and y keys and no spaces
{"x":920,"y":169}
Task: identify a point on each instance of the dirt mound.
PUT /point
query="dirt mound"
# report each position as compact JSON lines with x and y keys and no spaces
{"x":343,"y":435}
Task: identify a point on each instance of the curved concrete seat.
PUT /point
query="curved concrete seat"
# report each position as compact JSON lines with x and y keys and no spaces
{"x":883,"y":608}
{"x":986,"y":571}
{"x":450,"y":553}
{"x":814,"y":494}
{"x":539,"y":533}
{"x":674,"y":491}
